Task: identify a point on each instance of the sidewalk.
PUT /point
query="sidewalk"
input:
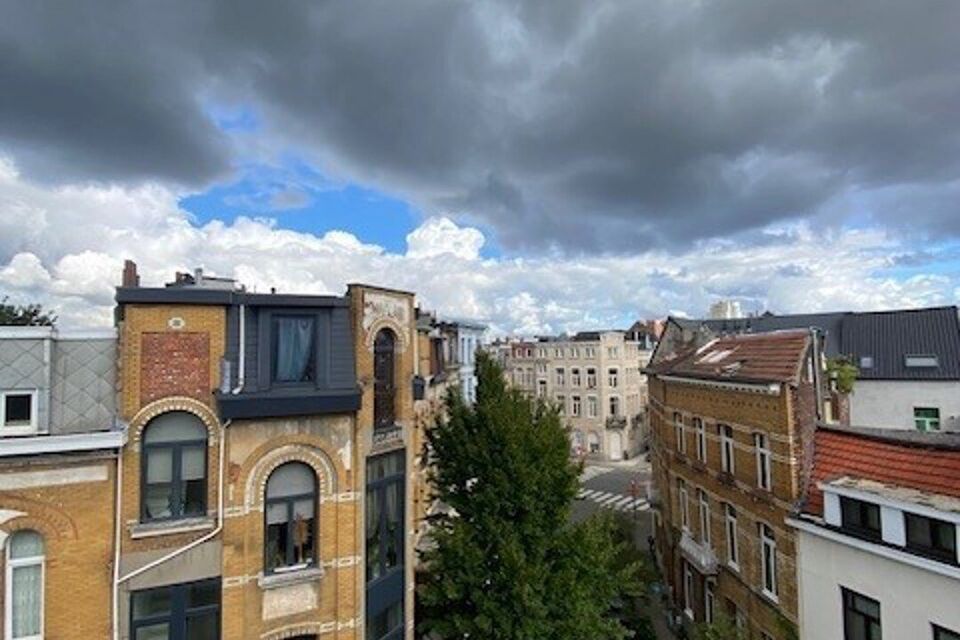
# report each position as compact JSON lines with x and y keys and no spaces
{"x":655,"y":605}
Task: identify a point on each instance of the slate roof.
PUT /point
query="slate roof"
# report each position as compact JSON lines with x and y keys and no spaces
{"x":775,"y":356}
{"x":931,"y":465}
{"x":885,"y":336}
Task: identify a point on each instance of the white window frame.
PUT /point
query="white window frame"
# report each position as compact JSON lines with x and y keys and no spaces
{"x":701,"y":439}
{"x":732,"y":532}
{"x":687,"y":590}
{"x":681,"y":431}
{"x":704,"y":513}
{"x":768,"y":542}
{"x":575,"y":406}
{"x":591,"y":378}
{"x":592,"y":406}
{"x":575,"y":377}
{"x":561,"y":376}
{"x":728,"y":454}
{"x":541,"y":388}
{"x":764,"y":461}
{"x":684,"y":505}
{"x":709,"y":601}
{"x":613,"y":377}
{"x":21,"y":430}
{"x":561,"y":404}
{"x":12,"y":564}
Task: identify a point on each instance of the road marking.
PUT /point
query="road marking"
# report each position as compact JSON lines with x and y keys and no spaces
{"x":613,"y":501}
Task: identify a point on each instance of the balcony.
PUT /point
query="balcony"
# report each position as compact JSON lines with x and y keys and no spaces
{"x":617,"y":422}
{"x":699,"y":555}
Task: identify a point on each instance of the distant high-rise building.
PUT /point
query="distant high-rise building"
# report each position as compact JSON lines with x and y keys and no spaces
{"x":725,"y":310}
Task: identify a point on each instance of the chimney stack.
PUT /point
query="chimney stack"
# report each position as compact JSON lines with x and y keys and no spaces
{"x":130,"y":277}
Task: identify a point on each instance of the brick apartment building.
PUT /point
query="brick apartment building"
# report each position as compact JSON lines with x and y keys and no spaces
{"x":732,"y":430}
{"x":59,"y":447}
{"x":264,"y":488}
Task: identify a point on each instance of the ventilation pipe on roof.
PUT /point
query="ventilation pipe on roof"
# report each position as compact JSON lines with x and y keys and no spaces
{"x":817,"y":365}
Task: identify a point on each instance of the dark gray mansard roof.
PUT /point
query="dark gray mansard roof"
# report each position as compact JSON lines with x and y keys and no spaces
{"x":885,"y":336}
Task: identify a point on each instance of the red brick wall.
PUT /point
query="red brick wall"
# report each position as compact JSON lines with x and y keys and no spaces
{"x":174,"y":364}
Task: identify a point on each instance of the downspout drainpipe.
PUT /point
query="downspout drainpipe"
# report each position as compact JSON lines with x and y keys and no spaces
{"x":242,"y":364}
{"x":116,"y":548}
{"x":817,"y":371}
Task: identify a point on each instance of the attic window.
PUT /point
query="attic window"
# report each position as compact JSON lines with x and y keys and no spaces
{"x":866,"y":362}
{"x":923,"y":361}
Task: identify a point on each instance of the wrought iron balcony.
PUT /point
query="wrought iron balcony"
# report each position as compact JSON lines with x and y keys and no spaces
{"x":700,"y":555}
{"x":617,"y":422}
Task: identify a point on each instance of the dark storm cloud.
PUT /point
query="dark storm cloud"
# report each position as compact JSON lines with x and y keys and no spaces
{"x":587,"y":125}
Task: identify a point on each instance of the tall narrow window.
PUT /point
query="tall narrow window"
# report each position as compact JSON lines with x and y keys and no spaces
{"x":768,"y":560}
{"x":701,"y":439}
{"x":613,"y":377}
{"x":726,"y":448}
{"x":293,"y":349}
{"x":733,"y":548}
{"x":709,"y":601}
{"x":561,"y":404}
{"x":384,"y":392}
{"x":593,"y":442}
{"x":24,"y":586}
{"x":385,"y":537}
{"x":560,"y":377}
{"x":591,"y":378}
{"x":575,"y":406}
{"x":592,"y":406}
{"x":687,"y":590}
{"x":575,"y":377}
{"x":614,"y":406}
{"x":681,"y":433}
{"x":861,"y":616}
{"x":684,"y":504}
{"x":704,"y":511}
{"x":291,"y":523}
{"x":174,"y":469}
{"x":764,"y":480}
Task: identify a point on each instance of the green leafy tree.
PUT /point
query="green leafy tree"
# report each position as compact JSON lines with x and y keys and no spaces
{"x":722,"y":628}
{"x":506,"y":563}
{"x":30,"y":315}
{"x":844,"y":372}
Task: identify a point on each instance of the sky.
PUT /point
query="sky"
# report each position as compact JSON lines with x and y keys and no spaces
{"x":542,"y":166}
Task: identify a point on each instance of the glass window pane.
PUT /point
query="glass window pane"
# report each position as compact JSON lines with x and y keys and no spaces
{"x":26,"y":544}
{"x":157,"y":500}
{"x":27,"y":604}
{"x":159,"y":465}
{"x":276,"y":551}
{"x":203,"y":627}
{"x":202,"y":594}
{"x":147,"y":604}
{"x":193,"y":463}
{"x":159,"y":631}
{"x":176,"y":426}
{"x":293,"y":359}
{"x":291,"y":479}
{"x":194,"y":498}
{"x":17,"y":409}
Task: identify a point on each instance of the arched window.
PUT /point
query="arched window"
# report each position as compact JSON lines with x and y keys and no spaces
{"x":24,"y":586}
{"x":290,"y":514}
{"x":384,"y":388}
{"x":174,"y":469}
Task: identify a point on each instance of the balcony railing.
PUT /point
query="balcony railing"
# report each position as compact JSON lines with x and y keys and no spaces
{"x":700,"y":555}
{"x":617,"y":422}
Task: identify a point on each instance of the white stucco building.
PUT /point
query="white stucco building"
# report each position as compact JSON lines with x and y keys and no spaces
{"x":469,"y":338}
{"x":877,"y":552}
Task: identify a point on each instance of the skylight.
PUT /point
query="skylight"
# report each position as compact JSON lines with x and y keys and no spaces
{"x":921,"y":361}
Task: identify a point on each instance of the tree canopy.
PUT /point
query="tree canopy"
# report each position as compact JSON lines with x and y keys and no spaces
{"x":30,"y":315}
{"x":507,"y":563}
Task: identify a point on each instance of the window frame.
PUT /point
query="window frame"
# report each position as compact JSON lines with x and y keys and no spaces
{"x":575,"y":406}
{"x":591,"y":378}
{"x":701,"y":432}
{"x":764,"y":457}
{"x":857,"y":529}
{"x":314,"y":351}
{"x":593,"y":405}
{"x":20,"y":430}
{"x":290,"y":502}
{"x":768,"y":540}
{"x":680,"y":433}
{"x":177,"y":449}
{"x":688,"y":590}
{"x":709,"y":600}
{"x":732,"y":530}
{"x":933,"y":551}
{"x":179,"y":613}
{"x":561,"y":401}
{"x":10,"y":564}
{"x":848,"y":598}
{"x":613,"y":377}
{"x":703,"y":511}
{"x":927,"y":423}
{"x":575,"y":377}
{"x":684,"y":498}
{"x":560,"y":376}
{"x":614,"y":406}
{"x":942,"y":633}
{"x":728,"y":449}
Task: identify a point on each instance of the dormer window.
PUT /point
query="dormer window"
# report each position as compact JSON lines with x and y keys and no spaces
{"x":921,"y":361}
{"x":860,"y":518}
{"x":18,"y":413}
{"x":294,"y":357}
{"x":931,"y":537}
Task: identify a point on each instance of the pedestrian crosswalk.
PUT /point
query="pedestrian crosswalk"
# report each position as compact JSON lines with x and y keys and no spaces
{"x":614,"y":501}
{"x":592,"y":471}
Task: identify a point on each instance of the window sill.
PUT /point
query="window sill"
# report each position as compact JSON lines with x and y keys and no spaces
{"x":298,"y":576}
{"x":772,"y":597}
{"x":170,"y":527}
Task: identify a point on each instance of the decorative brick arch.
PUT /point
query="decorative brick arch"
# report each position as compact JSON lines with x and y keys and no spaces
{"x":313,"y":456}
{"x":400,"y":331}
{"x":167,"y":405}
{"x":49,"y":521}
{"x":301,"y":629}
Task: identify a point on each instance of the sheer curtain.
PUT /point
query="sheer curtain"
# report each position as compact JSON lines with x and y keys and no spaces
{"x":26,"y":584}
{"x":294,"y":349}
